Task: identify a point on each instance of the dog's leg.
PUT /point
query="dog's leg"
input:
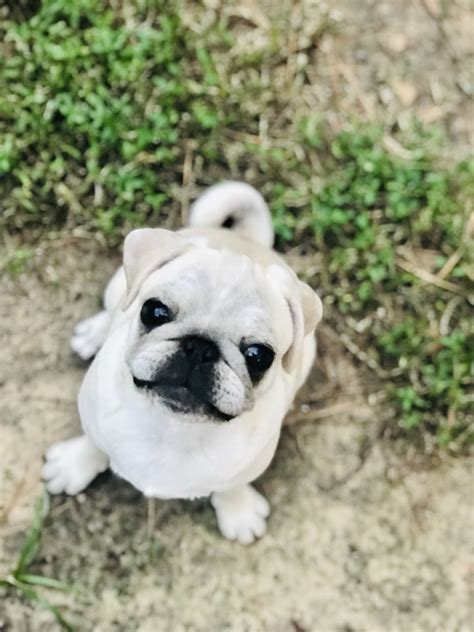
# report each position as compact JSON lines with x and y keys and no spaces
{"x":89,"y":334}
{"x":241,"y":513}
{"x":71,"y":465}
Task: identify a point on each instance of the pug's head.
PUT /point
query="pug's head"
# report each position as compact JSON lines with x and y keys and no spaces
{"x":210,"y":329}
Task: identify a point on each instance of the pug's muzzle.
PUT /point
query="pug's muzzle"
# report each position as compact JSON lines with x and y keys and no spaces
{"x":186,"y":382}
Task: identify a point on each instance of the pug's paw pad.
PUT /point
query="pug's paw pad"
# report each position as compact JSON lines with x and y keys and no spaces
{"x":71,"y":465}
{"x":89,"y":335}
{"x":241,"y":514}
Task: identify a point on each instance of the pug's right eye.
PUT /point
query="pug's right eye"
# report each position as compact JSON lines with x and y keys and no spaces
{"x":154,"y":313}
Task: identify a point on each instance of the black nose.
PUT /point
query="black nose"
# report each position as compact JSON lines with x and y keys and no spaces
{"x":201,"y":350}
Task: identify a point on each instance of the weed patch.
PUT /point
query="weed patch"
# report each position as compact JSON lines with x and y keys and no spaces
{"x":398,"y":268}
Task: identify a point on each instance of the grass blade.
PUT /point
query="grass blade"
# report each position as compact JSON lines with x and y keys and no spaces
{"x":46,"y":582}
{"x":33,"y":538}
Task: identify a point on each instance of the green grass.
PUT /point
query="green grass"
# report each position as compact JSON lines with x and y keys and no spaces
{"x":28,"y":585}
{"x":374,"y":217}
{"x":99,"y":108}
{"x":91,"y":114}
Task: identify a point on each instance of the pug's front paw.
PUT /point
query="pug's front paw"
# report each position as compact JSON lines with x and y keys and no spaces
{"x":89,"y":335}
{"x":241,"y":513}
{"x":71,"y":465}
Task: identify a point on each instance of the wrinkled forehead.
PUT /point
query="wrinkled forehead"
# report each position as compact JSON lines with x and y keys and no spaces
{"x":213,"y":286}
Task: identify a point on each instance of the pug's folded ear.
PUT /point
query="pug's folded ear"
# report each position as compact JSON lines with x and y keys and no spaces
{"x":312,"y":307}
{"x":144,"y":251}
{"x":306,"y":311}
{"x":305,"y":308}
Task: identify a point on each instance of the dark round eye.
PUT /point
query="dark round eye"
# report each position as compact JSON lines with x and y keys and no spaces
{"x":154,"y":313}
{"x":258,"y":359}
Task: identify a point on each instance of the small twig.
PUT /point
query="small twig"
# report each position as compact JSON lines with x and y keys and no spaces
{"x":60,"y":509}
{"x":325,"y":393}
{"x":187,"y":178}
{"x":427,"y":277}
{"x":242,"y":136}
{"x":447,"y":315}
{"x":322,"y":413}
{"x":364,"y":357}
{"x":361,"y":355}
{"x":451,"y":263}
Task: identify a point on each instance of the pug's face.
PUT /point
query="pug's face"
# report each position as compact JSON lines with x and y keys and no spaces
{"x":203,"y":340}
{"x":210,"y":329}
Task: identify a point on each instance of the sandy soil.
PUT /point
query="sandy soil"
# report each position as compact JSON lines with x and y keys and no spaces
{"x":365,"y":536}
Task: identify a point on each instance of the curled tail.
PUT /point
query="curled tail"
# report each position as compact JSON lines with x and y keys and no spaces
{"x":237,"y":206}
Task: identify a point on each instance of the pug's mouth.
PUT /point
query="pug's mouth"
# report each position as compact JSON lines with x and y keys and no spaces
{"x":180,"y":399}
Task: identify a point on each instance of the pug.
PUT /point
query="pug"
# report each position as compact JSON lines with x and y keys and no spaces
{"x":205,"y":337}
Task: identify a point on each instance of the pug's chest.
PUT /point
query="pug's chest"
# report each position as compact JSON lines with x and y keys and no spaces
{"x":174,"y":474}
{"x":166,"y":457}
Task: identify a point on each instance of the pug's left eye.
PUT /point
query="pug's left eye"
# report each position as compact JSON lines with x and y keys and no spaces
{"x":258,"y":359}
{"x":155,"y":313}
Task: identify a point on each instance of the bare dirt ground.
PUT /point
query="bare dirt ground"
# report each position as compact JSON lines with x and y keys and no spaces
{"x":365,"y":535}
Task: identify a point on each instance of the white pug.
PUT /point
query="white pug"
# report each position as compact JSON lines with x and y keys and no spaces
{"x":205,"y":338}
